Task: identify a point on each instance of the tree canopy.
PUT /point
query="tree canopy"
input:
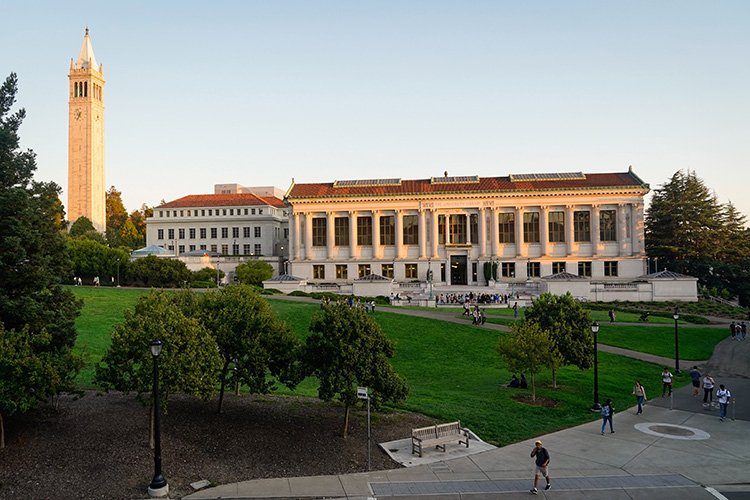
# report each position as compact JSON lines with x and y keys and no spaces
{"x":254,"y":272}
{"x":528,"y":349}
{"x":156,"y":271}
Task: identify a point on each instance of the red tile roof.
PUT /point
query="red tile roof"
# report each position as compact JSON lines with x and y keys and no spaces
{"x":224,"y":200}
{"x":485,"y":185}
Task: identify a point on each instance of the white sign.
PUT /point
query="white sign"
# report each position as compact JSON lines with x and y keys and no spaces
{"x":362,"y":392}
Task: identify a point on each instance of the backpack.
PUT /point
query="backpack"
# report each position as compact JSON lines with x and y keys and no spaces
{"x":606,"y":411}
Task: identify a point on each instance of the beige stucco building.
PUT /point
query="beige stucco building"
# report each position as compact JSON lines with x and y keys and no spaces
{"x":86,"y":138}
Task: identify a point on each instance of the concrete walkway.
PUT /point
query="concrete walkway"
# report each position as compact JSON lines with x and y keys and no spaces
{"x":677,"y":449}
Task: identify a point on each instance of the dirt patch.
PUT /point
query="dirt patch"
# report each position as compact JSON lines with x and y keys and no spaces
{"x":97,"y":447}
{"x":526,"y":399}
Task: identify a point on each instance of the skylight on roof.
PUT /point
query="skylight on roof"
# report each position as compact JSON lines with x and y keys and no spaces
{"x":547,"y":177}
{"x":456,"y":179}
{"x":367,"y":183}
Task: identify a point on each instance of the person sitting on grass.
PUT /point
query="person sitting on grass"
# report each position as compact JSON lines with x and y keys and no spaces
{"x":514,"y":382}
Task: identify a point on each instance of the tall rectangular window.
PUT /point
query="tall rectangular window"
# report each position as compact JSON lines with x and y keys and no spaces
{"x":610,"y":268}
{"x":235,"y":232}
{"x":341,"y":231}
{"x":533,"y":269}
{"x":181,"y":234}
{"x":319,"y":271}
{"x":213,"y":232}
{"x":387,"y":230}
{"x":319,"y":232}
{"x":558,"y":267}
{"x":584,"y":269}
{"x":235,"y":249}
{"x":607,"y":225}
{"x":245,"y":232}
{"x":191,"y":232}
{"x":203,"y":233}
{"x":225,"y":249}
{"x":202,"y":247}
{"x":246,"y":249}
{"x":181,"y":249}
{"x":171,"y":234}
{"x":341,"y":271}
{"x":441,"y":230}
{"x":213,"y":248}
{"x":411,"y":230}
{"x":531,"y":227}
{"x":508,"y":270}
{"x":257,"y":249}
{"x":473,"y":271}
{"x":458,"y":229}
{"x":506,"y":228}
{"x":410,"y":271}
{"x":225,"y":232}
{"x":582,"y":226}
{"x":386,"y":270}
{"x":256,"y":231}
{"x":364,"y":231}
{"x":160,"y":234}
{"x":474,"y":228}
{"x":363,"y":270}
{"x":556,"y":227}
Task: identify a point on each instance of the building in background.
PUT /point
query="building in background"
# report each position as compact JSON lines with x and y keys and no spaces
{"x":86,"y":139}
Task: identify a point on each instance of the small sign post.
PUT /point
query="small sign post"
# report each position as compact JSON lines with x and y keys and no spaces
{"x":363,"y":393}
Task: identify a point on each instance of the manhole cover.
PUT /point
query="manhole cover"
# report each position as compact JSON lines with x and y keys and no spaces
{"x":671,"y":430}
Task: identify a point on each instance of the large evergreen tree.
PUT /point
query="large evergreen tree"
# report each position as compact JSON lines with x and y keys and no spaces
{"x":33,"y":259}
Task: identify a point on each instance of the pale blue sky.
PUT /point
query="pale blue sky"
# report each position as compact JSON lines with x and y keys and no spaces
{"x":256,"y":93}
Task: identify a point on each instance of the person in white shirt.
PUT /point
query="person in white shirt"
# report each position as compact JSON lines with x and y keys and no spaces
{"x":666,"y":378}
{"x":708,"y":389}
{"x":723,"y":396}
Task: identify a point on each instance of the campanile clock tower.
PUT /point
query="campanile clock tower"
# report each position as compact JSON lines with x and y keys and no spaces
{"x":86,"y":139}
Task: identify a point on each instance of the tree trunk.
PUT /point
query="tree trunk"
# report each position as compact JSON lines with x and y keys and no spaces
{"x":223,"y":383}
{"x":2,"y":432}
{"x":533,"y":389}
{"x":346,"y":421}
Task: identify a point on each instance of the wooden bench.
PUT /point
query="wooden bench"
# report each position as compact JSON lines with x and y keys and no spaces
{"x":438,"y":436}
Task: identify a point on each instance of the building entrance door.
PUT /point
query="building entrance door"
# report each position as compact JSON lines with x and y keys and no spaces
{"x":458,"y":270}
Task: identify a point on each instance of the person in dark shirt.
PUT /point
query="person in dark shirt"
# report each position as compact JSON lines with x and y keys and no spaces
{"x":514,"y":382}
{"x":542,"y":461}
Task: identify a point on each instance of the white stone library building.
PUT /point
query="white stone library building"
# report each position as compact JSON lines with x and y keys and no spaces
{"x":558,"y":232}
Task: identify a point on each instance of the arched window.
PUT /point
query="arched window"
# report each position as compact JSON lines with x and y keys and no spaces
{"x":76,"y":89}
{"x":85,"y":89}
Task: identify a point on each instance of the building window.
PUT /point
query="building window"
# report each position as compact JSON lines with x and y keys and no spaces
{"x":531,"y":227}
{"x":260,"y":211}
{"x":235,"y":232}
{"x":474,"y":228}
{"x":364,"y":231}
{"x":558,"y":267}
{"x":161,"y":214}
{"x":245,"y":232}
{"x":235,"y":249}
{"x":341,"y":231}
{"x":533,"y":269}
{"x":410,"y":271}
{"x":171,"y":234}
{"x":211,"y":212}
{"x":457,"y":229}
{"x":202,"y":232}
{"x":363,"y":270}
{"x":607,"y":226}
{"x":181,"y":212}
{"x":441,"y":230}
{"x":238,"y":212}
{"x":582,"y":226}
{"x":286,"y":232}
{"x":202,"y":247}
{"x":160,"y":234}
{"x":473,"y":271}
{"x":257,"y":250}
{"x":508,"y":269}
{"x":231,"y":211}
{"x":223,"y":211}
{"x":556,"y":227}
{"x":252,"y":211}
{"x":181,"y":233}
{"x":213,"y":248}
{"x":341,"y":272}
{"x":181,"y":249}
{"x":610,"y":268}
{"x":411,"y":230}
{"x":387,"y":230}
{"x":506,"y":229}
{"x":386,"y":270}
{"x":257,"y":231}
{"x":203,"y":213}
{"x":213,"y":232}
{"x":319,"y":232}
{"x":246,"y":249}
{"x":225,"y":232}
{"x":191,"y":232}
{"x":442,"y":272}
{"x":319,"y":272}
{"x":225,"y":249}
{"x":584,"y":268}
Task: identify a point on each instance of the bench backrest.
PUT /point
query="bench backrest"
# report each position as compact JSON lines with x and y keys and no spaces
{"x":424,"y":433}
{"x":449,"y":429}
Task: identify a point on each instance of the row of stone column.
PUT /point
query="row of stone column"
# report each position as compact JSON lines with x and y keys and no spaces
{"x":624,"y":220}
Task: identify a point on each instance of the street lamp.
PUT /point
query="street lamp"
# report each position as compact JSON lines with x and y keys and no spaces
{"x":676,"y":317}
{"x":596,"y":406}
{"x":158,"y":486}
{"x":118,"y":272}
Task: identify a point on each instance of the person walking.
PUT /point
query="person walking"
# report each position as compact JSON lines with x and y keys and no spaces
{"x":542,"y":461}
{"x":743,"y":330}
{"x":607,"y":414}
{"x":666,"y":379}
{"x":723,"y":396}
{"x":733,"y":330}
{"x":515,"y":310}
{"x":708,"y":390}
{"x":612,"y":315}
{"x":695,"y":377}
{"x":640,"y":394}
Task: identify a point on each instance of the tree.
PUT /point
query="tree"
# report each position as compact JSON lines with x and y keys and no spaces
{"x":157,"y":271}
{"x":254,"y":272}
{"x":207,"y":274}
{"x":138,"y":218}
{"x":129,"y":236}
{"x":116,"y":215}
{"x":569,"y":327}
{"x":83,"y":229}
{"x":33,"y":262}
{"x":528,"y":349}
{"x":94,"y":259}
{"x":347,"y":349}
{"x":189,"y":358}
{"x":251,"y":337}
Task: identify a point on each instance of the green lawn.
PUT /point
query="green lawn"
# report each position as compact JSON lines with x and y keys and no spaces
{"x":695,"y":342}
{"x":452,"y":370}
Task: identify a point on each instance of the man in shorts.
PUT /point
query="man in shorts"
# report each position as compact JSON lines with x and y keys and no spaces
{"x":695,"y":377}
{"x":542,"y":460}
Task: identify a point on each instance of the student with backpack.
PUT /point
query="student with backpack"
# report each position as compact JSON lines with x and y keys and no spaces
{"x":607,"y":414}
{"x":723,"y":396}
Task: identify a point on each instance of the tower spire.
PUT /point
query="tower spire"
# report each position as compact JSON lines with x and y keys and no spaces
{"x":86,"y":58}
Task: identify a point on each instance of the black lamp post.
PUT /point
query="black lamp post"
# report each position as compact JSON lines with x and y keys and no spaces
{"x":676,"y":317}
{"x":596,"y":406}
{"x":158,"y":486}
{"x":118,"y":272}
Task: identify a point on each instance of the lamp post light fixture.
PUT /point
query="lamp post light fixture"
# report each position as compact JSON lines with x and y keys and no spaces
{"x":676,"y":316}
{"x":158,"y":486}
{"x":596,"y":406}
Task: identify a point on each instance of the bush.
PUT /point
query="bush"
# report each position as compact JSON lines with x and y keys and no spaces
{"x":202,"y":284}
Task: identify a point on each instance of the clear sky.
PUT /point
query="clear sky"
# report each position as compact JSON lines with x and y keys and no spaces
{"x":259,"y":92}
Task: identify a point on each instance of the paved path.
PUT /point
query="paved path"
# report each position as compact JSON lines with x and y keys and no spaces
{"x":677,"y":449}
